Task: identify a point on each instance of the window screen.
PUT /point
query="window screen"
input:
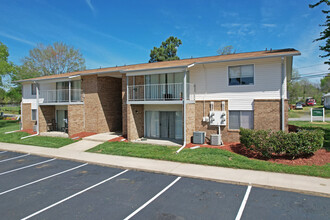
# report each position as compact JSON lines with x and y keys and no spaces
{"x":241,"y":75}
{"x":242,"y":119}
{"x":34,"y":114}
{"x":33,"y":89}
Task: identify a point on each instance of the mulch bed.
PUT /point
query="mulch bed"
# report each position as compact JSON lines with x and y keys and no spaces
{"x":320,"y":157}
{"x":81,"y":135}
{"x":30,"y":131}
{"x":118,"y":139}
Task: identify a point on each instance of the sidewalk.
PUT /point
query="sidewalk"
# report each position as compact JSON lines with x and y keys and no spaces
{"x":296,"y":183}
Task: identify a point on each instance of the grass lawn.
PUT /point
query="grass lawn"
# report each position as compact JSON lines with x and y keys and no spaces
{"x":51,"y":142}
{"x":306,"y":111}
{"x":10,"y":110}
{"x":325,"y":126}
{"x":205,"y":156}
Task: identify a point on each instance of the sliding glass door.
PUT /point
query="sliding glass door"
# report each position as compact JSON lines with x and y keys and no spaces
{"x":62,"y":120}
{"x":62,"y":91}
{"x":163,"y":124}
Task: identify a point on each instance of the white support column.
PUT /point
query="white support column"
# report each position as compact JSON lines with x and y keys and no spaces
{"x":323,"y":115}
{"x":184,"y":107}
{"x":37,"y":114}
{"x":69,"y":91}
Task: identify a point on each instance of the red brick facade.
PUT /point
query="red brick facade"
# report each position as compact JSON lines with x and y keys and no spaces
{"x":27,"y":123}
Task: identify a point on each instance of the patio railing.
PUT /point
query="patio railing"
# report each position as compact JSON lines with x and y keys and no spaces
{"x":160,"y":92}
{"x":60,"y":95}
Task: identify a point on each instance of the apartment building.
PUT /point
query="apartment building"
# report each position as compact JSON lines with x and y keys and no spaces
{"x":166,"y":100}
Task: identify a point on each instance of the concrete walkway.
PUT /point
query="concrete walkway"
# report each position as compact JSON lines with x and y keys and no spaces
{"x":297,"y":183}
{"x":90,"y":142}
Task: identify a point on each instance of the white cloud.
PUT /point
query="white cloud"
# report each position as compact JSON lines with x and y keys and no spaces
{"x":269,"y":25}
{"x":90,"y":5}
{"x":17,"y":39}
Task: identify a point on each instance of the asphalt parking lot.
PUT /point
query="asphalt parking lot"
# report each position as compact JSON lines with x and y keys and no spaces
{"x":48,"y":188}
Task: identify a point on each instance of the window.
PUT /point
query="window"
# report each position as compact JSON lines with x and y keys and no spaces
{"x":239,"y":119}
{"x":34,"y":114}
{"x":33,"y":89}
{"x":241,"y":75}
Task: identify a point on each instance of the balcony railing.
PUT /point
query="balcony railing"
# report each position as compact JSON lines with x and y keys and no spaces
{"x":60,"y":95}
{"x":160,"y":92}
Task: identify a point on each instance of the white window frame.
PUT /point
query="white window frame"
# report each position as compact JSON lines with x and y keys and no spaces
{"x":32,"y":114}
{"x":240,"y":115}
{"x":254,"y":71}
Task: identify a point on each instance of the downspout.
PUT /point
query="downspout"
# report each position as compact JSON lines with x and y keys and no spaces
{"x":184,"y":111}
{"x":282,"y":93}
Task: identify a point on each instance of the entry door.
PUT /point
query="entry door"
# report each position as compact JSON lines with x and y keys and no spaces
{"x":62,"y":120}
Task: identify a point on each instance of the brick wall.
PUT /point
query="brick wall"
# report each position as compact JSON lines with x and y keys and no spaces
{"x":135,"y":122}
{"x":267,"y":114}
{"x":91,"y":102}
{"x":102,"y":103}
{"x":26,"y":116}
{"x":46,"y":114}
{"x":76,"y":119}
{"x":190,"y":118}
{"x":109,"y":113}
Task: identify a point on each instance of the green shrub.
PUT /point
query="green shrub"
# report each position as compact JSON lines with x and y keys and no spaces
{"x":292,"y":144}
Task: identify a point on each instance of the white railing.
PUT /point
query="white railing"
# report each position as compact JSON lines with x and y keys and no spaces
{"x":160,"y":92}
{"x":60,"y":95}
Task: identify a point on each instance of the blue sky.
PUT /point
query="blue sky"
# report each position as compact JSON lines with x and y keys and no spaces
{"x":110,"y":33}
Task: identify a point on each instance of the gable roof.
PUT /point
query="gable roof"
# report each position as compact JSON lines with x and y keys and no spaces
{"x":176,"y":63}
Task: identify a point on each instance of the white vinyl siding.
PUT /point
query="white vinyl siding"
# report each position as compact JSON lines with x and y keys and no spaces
{"x":238,"y":119}
{"x":212,"y":81}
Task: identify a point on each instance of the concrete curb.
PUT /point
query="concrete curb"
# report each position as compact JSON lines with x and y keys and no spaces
{"x":287,"y":182}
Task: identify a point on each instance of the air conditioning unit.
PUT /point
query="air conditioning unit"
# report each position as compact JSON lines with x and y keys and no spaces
{"x":215,"y":139}
{"x":199,"y":137}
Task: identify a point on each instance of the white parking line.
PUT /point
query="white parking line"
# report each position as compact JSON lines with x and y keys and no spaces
{"x":152,"y":199}
{"x":13,"y":158}
{"x":21,"y":168}
{"x":74,"y":195}
{"x":39,"y":180}
{"x":241,"y":209}
{"x":3,"y":152}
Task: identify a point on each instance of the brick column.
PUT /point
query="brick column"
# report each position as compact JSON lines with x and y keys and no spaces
{"x":135,"y":122}
{"x":190,"y":127}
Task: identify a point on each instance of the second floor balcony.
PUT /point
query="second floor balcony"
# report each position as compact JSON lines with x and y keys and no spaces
{"x":60,"y":96}
{"x":160,"y":92}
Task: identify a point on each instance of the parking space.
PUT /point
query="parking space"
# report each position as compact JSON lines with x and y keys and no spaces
{"x":274,"y":204}
{"x":48,"y":188}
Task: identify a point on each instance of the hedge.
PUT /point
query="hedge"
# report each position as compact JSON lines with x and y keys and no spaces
{"x":268,"y":143}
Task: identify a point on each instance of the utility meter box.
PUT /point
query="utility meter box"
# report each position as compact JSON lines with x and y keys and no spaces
{"x":218,"y":118}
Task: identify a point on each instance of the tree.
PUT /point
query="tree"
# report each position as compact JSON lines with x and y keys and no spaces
{"x":6,"y":67}
{"x":49,"y":60}
{"x":325,"y":84}
{"x":166,"y":51}
{"x":324,"y":35}
{"x":226,"y":50}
